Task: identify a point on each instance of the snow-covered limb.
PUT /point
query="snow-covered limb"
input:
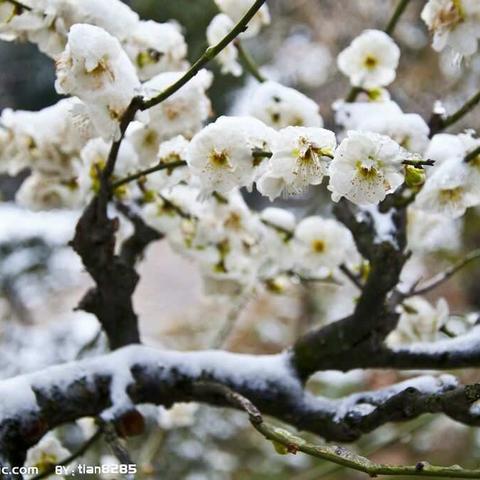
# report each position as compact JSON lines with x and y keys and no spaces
{"x":109,"y":386}
{"x":380,"y":238}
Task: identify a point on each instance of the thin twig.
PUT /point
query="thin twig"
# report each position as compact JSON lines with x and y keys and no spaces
{"x":472,"y":155}
{"x":67,"y":461}
{"x":402,"y":5}
{"x":351,"y":276}
{"x":208,"y":55}
{"x":116,"y":446}
{"x":467,"y":107}
{"x":443,"y":276}
{"x":139,"y":103}
{"x":20,"y":5}
{"x":248,"y":62}
{"x":287,"y":234}
{"x":335,"y":454}
{"x":419,"y":163}
{"x":346,"y":458}
{"x":148,"y":171}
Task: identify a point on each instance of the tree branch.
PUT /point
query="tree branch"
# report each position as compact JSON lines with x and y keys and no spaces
{"x":67,"y":461}
{"x":444,"y":276}
{"x":248,"y":62}
{"x":438,"y":124}
{"x":402,"y":5}
{"x":110,"y":385}
{"x":94,"y":239}
{"x":332,"y":453}
{"x":472,"y":155}
{"x":148,"y":171}
{"x":208,"y":55}
{"x":374,"y":317}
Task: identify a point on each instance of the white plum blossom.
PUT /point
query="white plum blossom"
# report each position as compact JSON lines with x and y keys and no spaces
{"x":454,"y":23}
{"x":236,"y":9}
{"x":371,"y":60}
{"x":145,"y":140}
{"x":173,"y":212}
{"x":279,"y":218}
{"x":366,"y":167}
{"x":173,"y":150}
{"x":47,"y":140}
{"x":94,"y":157}
{"x":322,"y":245}
{"x":352,"y":115}
{"x":155,"y":48}
{"x":96,"y":69}
{"x":120,"y":25}
{"x":278,"y":246}
{"x":47,"y":453}
{"x":409,"y":130}
{"x":449,"y":190}
{"x":220,"y":26}
{"x":180,"y":415}
{"x":221,"y":158}
{"x":311,"y":69}
{"x":419,"y":321}
{"x":445,"y":147}
{"x":300,"y":157}
{"x":48,"y":192}
{"x":450,"y":148}
{"x":430,"y":232}
{"x":280,"y":107}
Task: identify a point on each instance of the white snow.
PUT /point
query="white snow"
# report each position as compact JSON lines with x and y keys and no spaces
{"x":56,"y":226}
{"x":383,"y":223}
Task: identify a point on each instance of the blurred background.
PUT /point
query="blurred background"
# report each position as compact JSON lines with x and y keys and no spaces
{"x":41,"y":279}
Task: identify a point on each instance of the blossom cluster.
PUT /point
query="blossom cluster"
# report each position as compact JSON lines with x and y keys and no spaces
{"x":278,"y":144}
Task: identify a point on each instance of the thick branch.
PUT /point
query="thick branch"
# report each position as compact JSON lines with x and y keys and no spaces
{"x":110,"y":385}
{"x":94,"y":241}
{"x":373,"y":318}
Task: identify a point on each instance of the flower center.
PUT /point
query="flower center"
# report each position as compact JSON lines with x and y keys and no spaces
{"x":318,"y":246}
{"x":219,"y":159}
{"x":367,"y":172}
{"x":448,"y":195}
{"x":449,"y":16}
{"x":370,"y":62}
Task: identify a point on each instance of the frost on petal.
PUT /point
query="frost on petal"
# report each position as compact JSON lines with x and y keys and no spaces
{"x":96,"y":69}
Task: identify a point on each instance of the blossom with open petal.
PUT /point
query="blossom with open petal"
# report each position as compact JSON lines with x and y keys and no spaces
{"x":366,"y":167}
{"x":371,"y":60}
